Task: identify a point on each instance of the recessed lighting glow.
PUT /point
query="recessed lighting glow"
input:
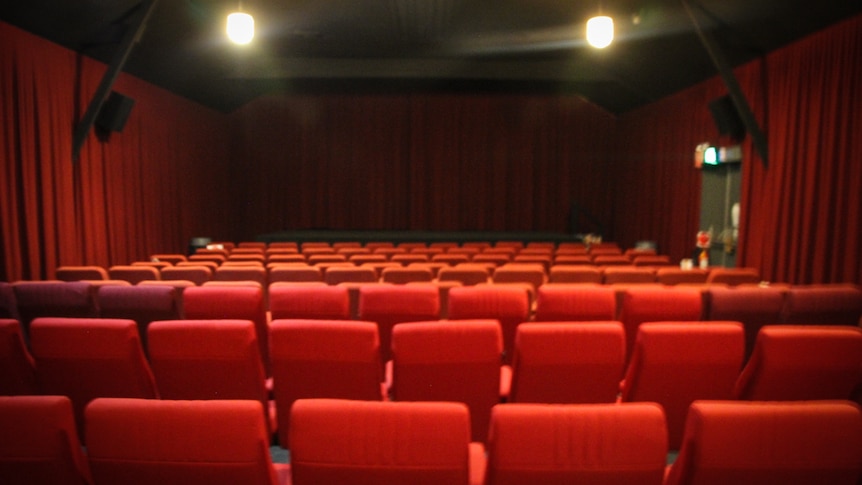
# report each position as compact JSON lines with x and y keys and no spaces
{"x":600,"y":31}
{"x":240,"y":27}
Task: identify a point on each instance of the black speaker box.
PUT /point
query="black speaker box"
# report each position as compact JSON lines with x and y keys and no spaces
{"x":726,"y":117}
{"x":114,"y":113}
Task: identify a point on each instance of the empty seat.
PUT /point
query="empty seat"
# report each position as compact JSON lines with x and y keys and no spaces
{"x":802,"y":363}
{"x":86,"y":358}
{"x":171,"y":258}
{"x":323,"y":359}
{"x":40,"y":442}
{"x":657,"y":304}
{"x":295,"y":273}
{"x":532,"y":274}
{"x":196,"y":274}
{"x":384,"y":443}
{"x":401,"y":276}
{"x":823,"y":305}
{"x":675,"y":276}
{"x":17,"y":369}
{"x":143,"y":304}
{"x":509,"y":305}
{"x":391,"y":304}
{"x":751,"y":305}
{"x":133,"y":274}
{"x":309,"y":301}
{"x":651,"y":260}
{"x":208,"y":359}
{"x":733,"y":276}
{"x":575,"y":303}
{"x":466,"y":274}
{"x":449,"y":361}
{"x":241,"y":273}
{"x":136,"y":441}
{"x":770,"y":443}
{"x":611,"y":260}
{"x":581,"y":443}
{"x":408,"y":258}
{"x":230,"y":303}
{"x":676,"y":363}
{"x":574,"y":273}
{"x":8,"y":304}
{"x":627,"y":274}
{"x":53,"y":299}
{"x":565,"y":362}
{"x":78,"y":273}
{"x":349,"y":274}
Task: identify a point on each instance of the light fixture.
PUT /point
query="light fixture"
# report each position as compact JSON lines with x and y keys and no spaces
{"x":600,"y":31}
{"x":240,"y":27}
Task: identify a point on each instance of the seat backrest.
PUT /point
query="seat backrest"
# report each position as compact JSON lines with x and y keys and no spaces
{"x":733,"y":276}
{"x":466,"y":274}
{"x":657,"y":304}
{"x":628,"y":274}
{"x":133,"y":274}
{"x":509,"y":305}
{"x":566,"y":362}
{"x":40,"y":442}
{"x":295,"y":273}
{"x":309,"y":301}
{"x":823,"y":305}
{"x":53,"y":299}
{"x":385,"y":443}
{"x":583,"y":443}
{"x":241,"y":273}
{"x":143,"y":304}
{"x":391,"y":304}
{"x":574,"y":273}
{"x":675,"y":276}
{"x":196,"y":274}
{"x":534,"y":274}
{"x":207,"y":359}
{"x":802,"y":363}
{"x":676,"y":363}
{"x":78,"y":273}
{"x":17,"y":369}
{"x":137,"y":442}
{"x":561,"y":302}
{"x":86,"y":358}
{"x":351,"y":274}
{"x":751,"y":305}
{"x":8,"y":303}
{"x":770,"y":442}
{"x":232,"y":303}
{"x":400,"y":276}
{"x":449,"y":361}
{"x":323,"y":359}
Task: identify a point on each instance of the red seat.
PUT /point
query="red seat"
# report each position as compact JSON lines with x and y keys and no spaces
{"x":142,"y":442}
{"x":323,"y":359}
{"x":17,"y":369}
{"x":133,"y":274}
{"x":509,"y":305}
{"x":565,"y":362}
{"x":768,"y":442}
{"x":53,"y":299}
{"x":676,"y":363}
{"x":382,"y":443}
{"x":582,"y":443}
{"x":86,"y":358}
{"x":823,"y":305}
{"x":575,"y":273}
{"x":449,"y":361}
{"x":802,"y":363}
{"x":231,"y":303}
{"x":78,"y":273}
{"x":733,"y":276}
{"x":143,"y":304}
{"x":196,"y":274}
{"x":575,"y":303}
{"x":657,"y":304}
{"x":309,"y":301}
{"x":751,"y":305}
{"x":391,"y":304}
{"x":40,"y":442}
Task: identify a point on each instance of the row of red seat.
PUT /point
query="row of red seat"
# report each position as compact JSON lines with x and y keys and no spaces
{"x":672,"y":364}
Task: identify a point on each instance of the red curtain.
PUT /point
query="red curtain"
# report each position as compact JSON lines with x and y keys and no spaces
{"x":148,"y":189}
{"x":421,"y":162}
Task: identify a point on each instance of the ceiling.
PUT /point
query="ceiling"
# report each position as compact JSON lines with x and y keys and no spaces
{"x":384,"y":46}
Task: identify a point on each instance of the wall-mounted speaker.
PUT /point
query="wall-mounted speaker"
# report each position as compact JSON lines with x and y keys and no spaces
{"x":726,"y":117}
{"x":115,"y":112}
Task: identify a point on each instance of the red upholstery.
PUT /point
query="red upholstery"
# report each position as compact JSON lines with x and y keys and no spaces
{"x":576,"y":443}
{"x":466,"y":274}
{"x":402,"y":276}
{"x":78,"y":273}
{"x":563,"y":362}
{"x":823,"y":304}
{"x":53,"y":299}
{"x":509,"y":305}
{"x":733,"y":276}
{"x":241,"y":273}
{"x":231,"y":303}
{"x":449,"y":361}
{"x":171,"y":258}
{"x":208,"y":359}
{"x":309,"y":301}
{"x":133,"y":274}
{"x":575,"y":303}
{"x":657,"y":304}
{"x":352,"y":274}
{"x":628,"y":274}
{"x":17,"y":369}
{"x":381,"y":443}
{"x":391,"y":304}
{"x":802,"y":363}
{"x":767,"y":442}
{"x":196,"y":274}
{"x":534,"y":274}
{"x":8,"y":304}
{"x":40,"y":442}
{"x":323,"y":359}
{"x":86,"y":358}
{"x":676,"y":276}
{"x":676,"y":363}
{"x":142,"y":442}
{"x":143,"y":304}
{"x":295,"y":272}
{"x":753,"y":306}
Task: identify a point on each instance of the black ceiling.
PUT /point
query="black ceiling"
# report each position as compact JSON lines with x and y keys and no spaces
{"x":312,"y":46}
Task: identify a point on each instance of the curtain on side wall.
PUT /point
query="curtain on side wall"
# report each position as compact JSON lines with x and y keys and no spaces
{"x":421,"y":162}
{"x":145,"y":190}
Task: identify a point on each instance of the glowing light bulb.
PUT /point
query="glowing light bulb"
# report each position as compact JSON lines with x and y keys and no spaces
{"x":240,"y":27}
{"x":600,"y":31}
